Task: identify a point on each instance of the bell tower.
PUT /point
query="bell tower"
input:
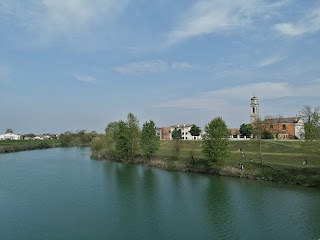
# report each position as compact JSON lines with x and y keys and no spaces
{"x":254,"y":109}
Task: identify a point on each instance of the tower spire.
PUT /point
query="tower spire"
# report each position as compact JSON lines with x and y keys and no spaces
{"x":254,"y":109}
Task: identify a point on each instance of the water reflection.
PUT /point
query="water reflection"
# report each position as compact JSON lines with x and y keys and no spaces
{"x":61,"y":194}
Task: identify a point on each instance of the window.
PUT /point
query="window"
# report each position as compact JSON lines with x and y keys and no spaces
{"x":253,"y":110}
{"x":186,"y":138}
{"x":284,"y":127}
{"x":271,"y":126}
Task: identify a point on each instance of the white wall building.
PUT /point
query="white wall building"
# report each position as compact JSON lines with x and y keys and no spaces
{"x":185,"y":131}
{"x":10,"y":136}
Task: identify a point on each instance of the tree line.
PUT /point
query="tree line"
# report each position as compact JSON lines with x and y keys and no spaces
{"x":125,"y":141}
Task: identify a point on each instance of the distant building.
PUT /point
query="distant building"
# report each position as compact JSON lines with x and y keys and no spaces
{"x":235,"y":134}
{"x":185,"y":131}
{"x":281,"y":127}
{"x":285,"y":128}
{"x":164,"y":133}
{"x":10,"y":136}
{"x":254,"y":109}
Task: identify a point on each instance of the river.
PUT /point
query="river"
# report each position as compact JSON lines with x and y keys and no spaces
{"x":63,"y":194}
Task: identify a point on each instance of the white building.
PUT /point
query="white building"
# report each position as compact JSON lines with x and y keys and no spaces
{"x":10,"y":136}
{"x":185,"y":131}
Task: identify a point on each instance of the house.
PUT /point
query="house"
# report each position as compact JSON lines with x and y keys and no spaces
{"x":185,"y":131}
{"x":285,"y":128}
{"x":236,"y":135}
{"x":10,"y":136}
{"x":164,"y":133}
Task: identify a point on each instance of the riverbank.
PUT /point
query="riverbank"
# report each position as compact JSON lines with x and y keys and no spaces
{"x":26,"y":145}
{"x":281,"y":161}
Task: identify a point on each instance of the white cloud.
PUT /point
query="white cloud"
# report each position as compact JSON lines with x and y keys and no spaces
{"x":48,"y":20}
{"x":84,"y":78}
{"x":270,"y":61}
{"x":208,"y":16}
{"x":310,"y":23}
{"x":233,"y":103}
{"x":151,"y":66}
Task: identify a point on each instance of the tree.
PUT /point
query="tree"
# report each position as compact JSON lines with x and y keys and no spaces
{"x":133,"y":134}
{"x":9,"y":130}
{"x":215,"y":143}
{"x":266,"y":134}
{"x":246,"y":130}
{"x":176,"y":134}
{"x":97,"y":145}
{"x":311,"y":145}
{"x":176,"y":141}
{"x":195,"y":131}
{"x":258,"y":127}
{"x":122,"y":142}
{"x":112,"y":134}
{"x":149,"y":140}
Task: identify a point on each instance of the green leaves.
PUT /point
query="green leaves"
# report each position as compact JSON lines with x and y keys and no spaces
{"x":195,"y":131}
{"x":176,"y":134}
{"x":215,"y":143}
{"x":246,"y":129}
{"x":149,"y":141}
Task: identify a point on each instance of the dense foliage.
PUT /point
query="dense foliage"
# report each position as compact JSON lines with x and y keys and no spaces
{"x":149,"y":140}
{"x":246,"y":130}
{"x":215,"y":142}
{"x":195,"y":131}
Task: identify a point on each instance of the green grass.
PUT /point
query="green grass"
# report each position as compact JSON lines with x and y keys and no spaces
{"x":287,"y":153}
{"x":281,"y":161}
{"x":12,"y":143}
{"x":24,"y":145}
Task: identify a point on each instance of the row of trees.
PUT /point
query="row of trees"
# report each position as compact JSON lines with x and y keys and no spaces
{"x":78,"y":138}
{"x":123,"y":140}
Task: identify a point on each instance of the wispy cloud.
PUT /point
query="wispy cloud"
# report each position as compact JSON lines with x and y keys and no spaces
{"x":84,"y":78}
{"x":151,"y":66}
{"x":270,"y":61}
{"x":207,"y":16}
{"x":233,"y":103}
{"x":309,"y":23}
{"x":49,"y":20}
{"x":228,"y":98}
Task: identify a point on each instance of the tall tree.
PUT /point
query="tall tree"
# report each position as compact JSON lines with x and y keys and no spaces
{"x":258,"y":128}
{"x":215,"y":143}
{"x":149,"y":142}
{"x":195,"y":131}
{"x":123,"y":143}
{"x":246,"y":130}
{"x":112,"y":133}
{"x":176,"y":141}
{"x":9,"y":130}
{"x":133,"y":134}
{"x":311,"y":145}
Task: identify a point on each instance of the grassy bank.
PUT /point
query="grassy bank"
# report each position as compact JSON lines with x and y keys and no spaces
{"x":281,"y":161}
{"x":24,"y":145}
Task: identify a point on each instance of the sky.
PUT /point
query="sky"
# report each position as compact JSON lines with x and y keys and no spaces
{"x":68,"y":65}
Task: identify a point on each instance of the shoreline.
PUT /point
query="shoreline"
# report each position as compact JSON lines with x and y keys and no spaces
{"x":289,"y":175}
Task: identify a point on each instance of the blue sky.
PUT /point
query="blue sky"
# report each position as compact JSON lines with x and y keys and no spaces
{"x":79,"y":64}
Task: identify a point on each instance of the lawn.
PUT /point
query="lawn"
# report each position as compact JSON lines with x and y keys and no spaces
{"x":286,"y":153}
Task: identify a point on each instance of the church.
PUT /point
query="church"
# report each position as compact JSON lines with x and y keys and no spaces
{"x":282,"y":128}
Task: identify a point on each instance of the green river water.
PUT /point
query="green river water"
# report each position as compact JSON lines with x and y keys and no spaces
{"x":63,"y":194}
